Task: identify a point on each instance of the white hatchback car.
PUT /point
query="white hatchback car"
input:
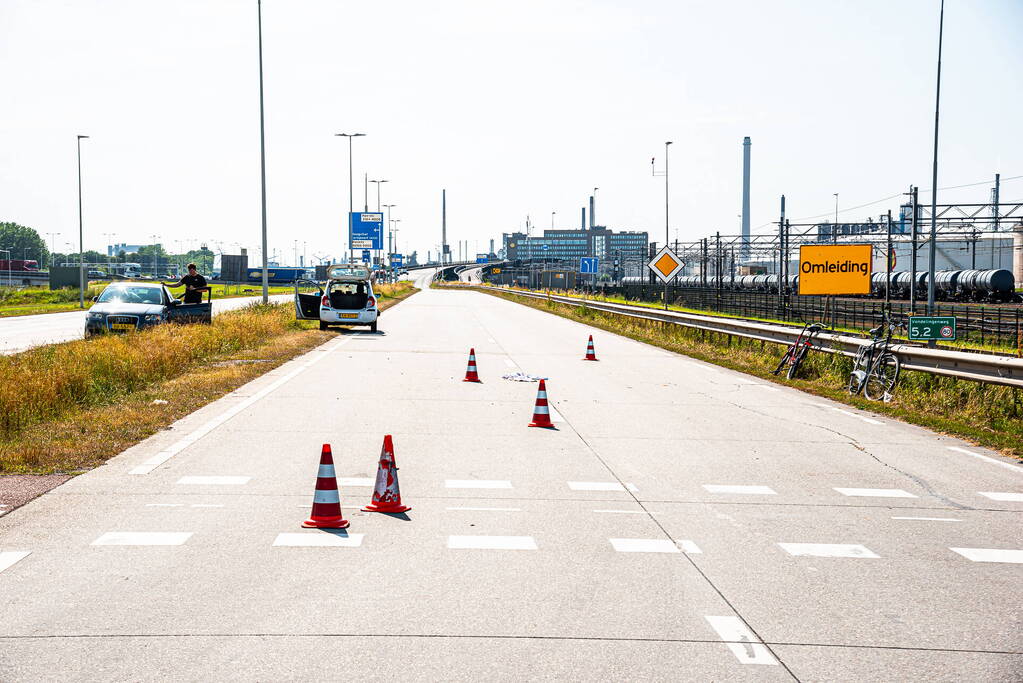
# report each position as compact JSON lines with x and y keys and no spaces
{"x":347,"y":298}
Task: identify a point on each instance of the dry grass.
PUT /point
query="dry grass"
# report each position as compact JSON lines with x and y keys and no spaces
{"x":989,"y":415}
{"x":68,"y":407}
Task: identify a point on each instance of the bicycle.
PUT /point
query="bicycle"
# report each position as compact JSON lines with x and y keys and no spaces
{"x":875,"y":368}
{"x":796,"y":353}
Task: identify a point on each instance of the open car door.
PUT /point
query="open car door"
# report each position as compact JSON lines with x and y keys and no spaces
{"x":307,"y":304}
{"x":202,"y":312}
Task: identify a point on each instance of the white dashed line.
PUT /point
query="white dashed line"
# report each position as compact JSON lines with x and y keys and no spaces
{"x":214,"y":481}
{"x":355,"y":481}
{"x":509,"y":362}
{"x":876,"y":493}
{"x":629,"y":512}
{"x":741,"y":641}
{"x":858,"y":416}
{"x":492,"y":542}
{"x":990,"y":555}
{"x":1014,"y":468}
{"x":491,"y":340}
{"x":931,"y":519}
{"x":1006,"y":496}
{"x":206,"y":505}
{"x":643,"y":545}
{"x":143,"y":538}
{"x":477,"y":484}
{"x":165,"y":505}
{"x":486,"y":509}
{"x":555,"y":415}
{"x":827,"y":550}
{"x":689,"y":548}
{"x":319,"y":540}
{"x":208,"y":426}
{"x":11,"y":557}
{"x":730,"y":488}
{"x":768,"y":387}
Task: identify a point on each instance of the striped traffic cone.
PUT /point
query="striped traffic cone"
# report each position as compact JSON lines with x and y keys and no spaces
{"x":590,"y":354}
{"x":386,"y":494}
{"x":541,"y":413}
{"x":326,"y":512}
{"x":470,"y":370}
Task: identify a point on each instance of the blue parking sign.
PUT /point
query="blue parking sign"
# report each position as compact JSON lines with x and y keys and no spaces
{"x":589,"y":264}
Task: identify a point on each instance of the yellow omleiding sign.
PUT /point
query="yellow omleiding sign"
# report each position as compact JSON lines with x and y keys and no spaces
{"x":835,"y":269}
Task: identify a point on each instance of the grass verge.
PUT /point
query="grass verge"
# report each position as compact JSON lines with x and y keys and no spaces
{"x":69,"y":407}
{"x":986,"y":414}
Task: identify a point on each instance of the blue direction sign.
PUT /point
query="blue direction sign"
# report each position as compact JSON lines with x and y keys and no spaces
{"x":365,"y":255}
{"x":545,"y":247}
{"x":589,"y":264}
{"x":367,"y":230}
{"x":481,"y":258}
{"x":396,"y":260}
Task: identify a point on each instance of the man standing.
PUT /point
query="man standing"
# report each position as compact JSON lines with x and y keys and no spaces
{"x":194,"y":283}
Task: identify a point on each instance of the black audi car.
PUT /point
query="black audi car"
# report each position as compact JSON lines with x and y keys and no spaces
{"x":131,"y":306}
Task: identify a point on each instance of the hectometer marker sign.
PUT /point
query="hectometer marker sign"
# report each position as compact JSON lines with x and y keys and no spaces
{"x":834,"y":269}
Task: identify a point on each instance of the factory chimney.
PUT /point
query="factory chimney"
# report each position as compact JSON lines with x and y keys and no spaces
{"x":592,"y":216}
{"x":745,"y":197}
{"x":443,"y":226}
{"x":582,"y":225}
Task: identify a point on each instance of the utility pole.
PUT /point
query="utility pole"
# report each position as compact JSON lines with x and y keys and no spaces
{"x":995,"y":198}
{"x":913,"y":223}
{"x":888,"y":267}
{"x":666,"y":145}
{"x":262,"y":152}
{"x":781,"y":247}
{"x":444,"y":225}
{"x":932,"y":248}
{"x":81,"y":240}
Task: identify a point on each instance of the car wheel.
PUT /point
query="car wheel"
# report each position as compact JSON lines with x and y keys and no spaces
{"x":373,"y":326}
{"x":323,"y":325}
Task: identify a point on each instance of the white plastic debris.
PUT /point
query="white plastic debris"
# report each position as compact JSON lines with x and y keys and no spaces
{"x":159,"y":402}
{"x":523,"y":377}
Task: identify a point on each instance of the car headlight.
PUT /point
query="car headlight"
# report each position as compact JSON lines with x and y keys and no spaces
{"x":95,"y":316}
{"x":153,"y":317}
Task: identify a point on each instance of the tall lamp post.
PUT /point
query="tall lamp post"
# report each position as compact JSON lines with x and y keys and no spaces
{"x":81,"y":240}
{"x":390,"y":246}
{"x":834,"y":231}
{"x":932,"y":247}
{"x":378,"y":190}
{"x":262,"y":152}
{"x":351,"y":206}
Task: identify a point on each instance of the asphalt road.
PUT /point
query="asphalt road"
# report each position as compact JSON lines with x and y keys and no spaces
{"x":22,"y":332}
{"x":683,"y":522}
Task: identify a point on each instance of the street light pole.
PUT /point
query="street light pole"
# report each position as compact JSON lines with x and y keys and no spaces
{"x":81,"y":241}
{"x":932,"y":247}
{"x":666,"y":145}
{"x":262,"y":153}
{"x":834,"y":231}
{"x":351,"y":207}
{"x":378,"y":191}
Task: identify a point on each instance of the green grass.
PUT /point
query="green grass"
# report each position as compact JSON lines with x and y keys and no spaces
{"x":986,"y":414}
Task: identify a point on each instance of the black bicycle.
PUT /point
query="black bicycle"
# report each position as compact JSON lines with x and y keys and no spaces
{"x":796,"y":353}
{"x":876,"y":368}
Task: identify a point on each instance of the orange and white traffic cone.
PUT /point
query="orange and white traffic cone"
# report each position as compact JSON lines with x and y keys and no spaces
{"x":326,"y":512}
{"x":542,"y":413}
{"x":470,"y":370}
{"x":590,"y":354}
{"x":387,"y":494}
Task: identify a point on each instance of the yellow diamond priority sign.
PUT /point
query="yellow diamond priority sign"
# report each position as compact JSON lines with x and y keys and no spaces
{"x":666,"y":265}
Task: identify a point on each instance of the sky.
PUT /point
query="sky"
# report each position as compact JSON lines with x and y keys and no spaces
{"x":516,"y":109}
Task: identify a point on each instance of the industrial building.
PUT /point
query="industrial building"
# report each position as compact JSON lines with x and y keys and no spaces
{"x":571,"y":245}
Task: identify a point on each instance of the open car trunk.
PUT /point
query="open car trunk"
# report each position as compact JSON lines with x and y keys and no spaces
{"x":347,"y":297}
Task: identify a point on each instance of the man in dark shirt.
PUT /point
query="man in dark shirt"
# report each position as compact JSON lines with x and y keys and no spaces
{"x":194,"y":283}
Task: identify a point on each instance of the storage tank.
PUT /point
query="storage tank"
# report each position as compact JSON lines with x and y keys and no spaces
{"x":995,"y":281}
{"x":945,"y":280}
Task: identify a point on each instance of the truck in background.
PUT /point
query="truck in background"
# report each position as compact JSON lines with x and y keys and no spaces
{"x":19,"y":265}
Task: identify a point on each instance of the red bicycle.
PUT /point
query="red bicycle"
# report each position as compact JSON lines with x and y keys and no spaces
{"x":797,"y":352}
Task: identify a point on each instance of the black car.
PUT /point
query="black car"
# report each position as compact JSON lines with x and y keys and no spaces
{"x":131,"y":306}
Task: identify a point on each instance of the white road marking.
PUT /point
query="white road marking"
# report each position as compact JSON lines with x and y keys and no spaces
{"x":858,"y":416}
{"x":165,"y":505}
{"x":595,"y":486}
{"x":208,"y":426}
{"x":876,"y":493}
{"x":990,"y":555}
{"x":489,"y":339}
{"x":1003,"y":495}
{"x":643,"y":545}
{"x":827,"y":550}
{"x":1014,"y":468}
{"x":731,"y":488}
{"x":762,"y":386}
{"x":355,"y":481}
{"x":741,"y":641}
{"x":931,"y":519}
{"x":487,"y":509}
{"x":214,"y":481}
{"x":143,"y":538}
{"x":477,"y":484}
{"x":629,"y":512}
{"x":509,"y":362}
{"x":689,"y":547}
{"x":3,"y":512}
{"x":492,"y":542}
{"x":206,"y":505}
{"x":319,"y":540}
{"x":10,"y":558}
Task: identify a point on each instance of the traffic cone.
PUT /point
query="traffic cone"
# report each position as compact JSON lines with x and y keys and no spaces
{"x":386,"y":494}
{"x":470,"y":370}
{"x":326,"y":512}
{"x":541,"y":413}
{"x":590,"y":354}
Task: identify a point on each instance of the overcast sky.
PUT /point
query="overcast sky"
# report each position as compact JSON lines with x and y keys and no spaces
{"x":517,"y":108}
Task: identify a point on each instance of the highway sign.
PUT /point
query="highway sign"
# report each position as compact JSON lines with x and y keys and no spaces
{"x":834,"y":269}
{"x":666,"y":264}
{"x":396,"y":260}
{"x":365,"y":255}
{"x":589,"y":264}
{"x":482,"y":258}
{"x":367,"y":230}
{"x":923,"y":328}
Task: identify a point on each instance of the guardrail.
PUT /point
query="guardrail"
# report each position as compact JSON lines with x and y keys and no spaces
{"x":979,"y":367}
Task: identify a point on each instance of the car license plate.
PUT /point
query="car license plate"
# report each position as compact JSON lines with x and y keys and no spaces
{"x":349,"y":315}
{"x":125,"y":327}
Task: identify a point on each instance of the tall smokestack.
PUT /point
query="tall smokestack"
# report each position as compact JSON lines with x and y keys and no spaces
{"x":582,"y":225}
{"x":443,"y":226}
{"x":746,"y":144}
{"x":593,"y":216}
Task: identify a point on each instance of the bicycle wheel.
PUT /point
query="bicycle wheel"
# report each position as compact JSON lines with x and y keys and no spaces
{"x":783,"y":361}
{"x":858,"y":374}
{"x":883,"y":375}
{"x":796,"y":362}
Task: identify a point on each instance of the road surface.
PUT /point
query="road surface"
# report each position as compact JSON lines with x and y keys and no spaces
{"x":22,"y":332}
{"x":683,"y":522}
